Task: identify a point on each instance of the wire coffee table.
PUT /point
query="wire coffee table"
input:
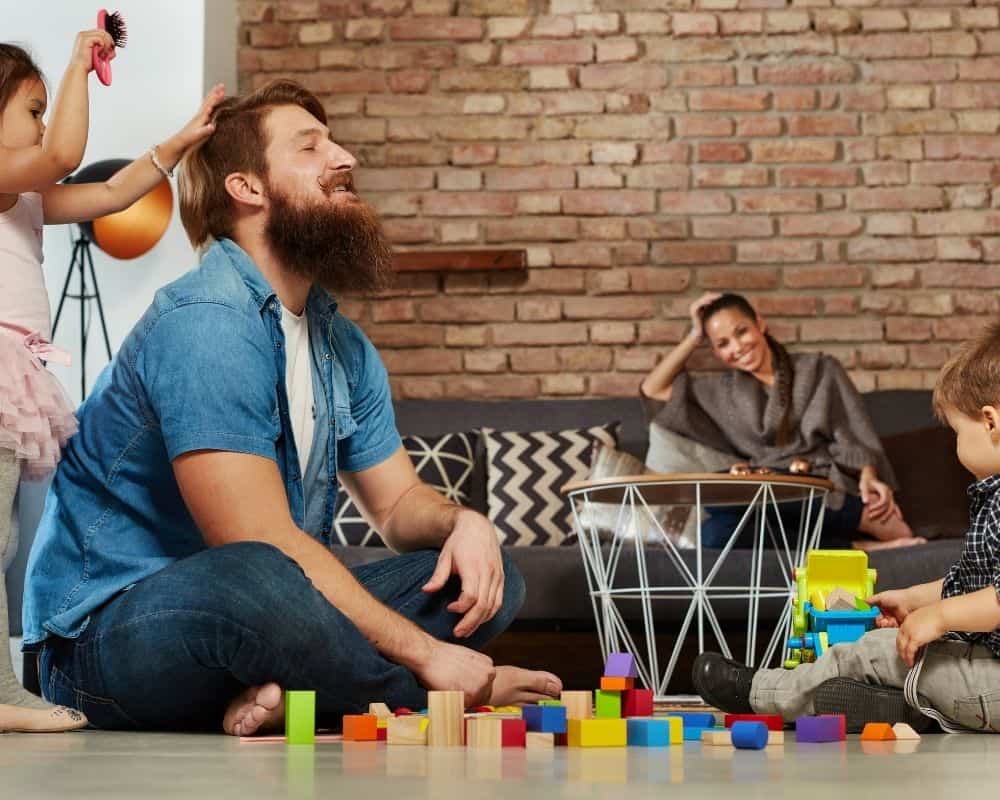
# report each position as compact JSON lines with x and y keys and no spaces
{"x":632,"y":501}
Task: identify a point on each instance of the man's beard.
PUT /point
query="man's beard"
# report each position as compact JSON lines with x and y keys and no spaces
{"x":339,"y":246}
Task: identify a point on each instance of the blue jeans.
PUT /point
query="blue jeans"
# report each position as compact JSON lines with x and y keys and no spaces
{"x":173,"y":651}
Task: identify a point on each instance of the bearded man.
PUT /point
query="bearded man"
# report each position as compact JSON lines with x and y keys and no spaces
{"x":182,"y":575}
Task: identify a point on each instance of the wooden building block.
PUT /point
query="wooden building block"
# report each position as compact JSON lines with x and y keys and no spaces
{"x":607,"y":705}
{"x":774,"y":722}
{"x":536,"y":740}
{"x":904,"y":731}
{"x":300,"y":717}
{"x":716,"y":737}
{"x":597,"y":733}
{"x":839,"y":599}
{"x":360,"y":728}
{"x":637,"y":703}
{"x":579,"y":705}
{"x":446,"y":714}
{"x":775,"y":737}
{"x":546,"y":719}
{"x":409,"y":729}
{"x":878,"y":732}
{"x":380,"y":710}
{"x":620,"y":665}
{"x":483,"y":733}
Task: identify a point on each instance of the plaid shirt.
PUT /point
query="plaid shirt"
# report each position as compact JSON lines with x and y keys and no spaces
{"x":979,"y":565}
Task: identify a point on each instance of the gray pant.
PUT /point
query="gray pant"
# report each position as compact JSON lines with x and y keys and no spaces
{"x":959,"y":680}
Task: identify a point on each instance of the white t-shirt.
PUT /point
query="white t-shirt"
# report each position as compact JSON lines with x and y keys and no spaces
{"x":298,"y":382}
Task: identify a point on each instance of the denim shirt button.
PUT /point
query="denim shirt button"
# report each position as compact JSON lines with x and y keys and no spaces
{"x":326,"y":356}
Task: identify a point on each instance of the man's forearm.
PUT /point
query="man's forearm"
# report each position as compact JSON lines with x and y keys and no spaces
{"x":977,"y":612}
{"x":422,"y":518}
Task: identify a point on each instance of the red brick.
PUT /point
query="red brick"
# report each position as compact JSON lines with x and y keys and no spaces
{"x":666,"y":152}
{"x":796,"y":151}
{"x":886,"y":173}
{"x":634,"y":77}
{"x":958,"y":223}
{"x":622,"y":203}
{"x":393,"y":310}
{"x":704,"y":75}
{"x":887,"y":45}
{"x":539,"y":310}
{"x":959,"y":328}
{"x":821,"y":225}
{"x":563,"y":385}
{"x":786,"y":306}
{"x":797,"y":177}
{"x":927,"y":356}
{"x":970,"y":147}
{"x":967,"y":95}
{"x":729,"y":100}
{"x":540,"y":333}
{"x":733,"y":278}
{"x":657,"y":280}
{"x":776,"y":202}
{"x":581,"y":254}
{"x":912,"y":198}
{"x":421,"y":362}
{"x":893,"y":249}
{"x":409,"y":231}
{"x":825,"y":277}
{"x":468,"y":204}
{"x":882,"y":356}
{"x":657,"y":176}
{"x":534,"y":359}
{"x":709,"y":125}
{"x":737,"y":23}
{"x":526,"y":155}
{"x":775,"y":252}
{"x":962,"y":275}
{"x":730,"y":176}
{"x":524,"y":53}
{"x":480,"y":79}
{"x":617,"y":50}
{"x":473,"y":154}
{"x":955,"y":43}
{"x":493,"y":386}
{"x":608,"y":308}
{"x":936,"y":305}
{"x":533,"y":179}
{"x":863,"y":98}
{"x":952,"y":172}
{"x":794,"y":99}
{"x":553,"y":27}
{"x":840,"y":330}
{"x":903,"y":329}
{"x":731,"y":227}
{"x":540,"y":229}
{"x":270,"y":35}
{"x":437,"y":28}
{"x":824,"y":125}
{"x":485,"y":361}
{"x":657,"y":228}
{"x":812,"y":72}
{"x":380,"y":180}
{"x":722,"y":151}
{"x":685,"y":24}
{"x":691,"y":253}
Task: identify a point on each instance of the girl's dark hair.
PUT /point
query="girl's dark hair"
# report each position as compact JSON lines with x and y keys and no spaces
{"x":783,"y":370}
{"x":16,"y":67}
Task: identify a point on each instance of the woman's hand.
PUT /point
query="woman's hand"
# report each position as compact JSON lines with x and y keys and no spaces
{"x":697,"y":324}
{"x":877,"y":497}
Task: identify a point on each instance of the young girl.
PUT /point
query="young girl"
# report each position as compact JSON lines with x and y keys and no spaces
{"x":36,"y":418}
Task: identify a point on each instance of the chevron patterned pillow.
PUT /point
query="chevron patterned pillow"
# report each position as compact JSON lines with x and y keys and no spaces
{"x":443,"y":462}
{"x":524,"y":473}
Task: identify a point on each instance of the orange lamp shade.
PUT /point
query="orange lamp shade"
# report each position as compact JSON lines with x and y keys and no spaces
{"x":137,"y":229}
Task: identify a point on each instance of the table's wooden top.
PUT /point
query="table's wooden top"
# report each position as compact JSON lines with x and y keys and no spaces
{"x":681,"y":488}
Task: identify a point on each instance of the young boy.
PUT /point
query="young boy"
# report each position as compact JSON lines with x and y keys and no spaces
{"x":940,"y":641}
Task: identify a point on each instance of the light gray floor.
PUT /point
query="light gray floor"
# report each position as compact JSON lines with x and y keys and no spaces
{"x":107,"y":766}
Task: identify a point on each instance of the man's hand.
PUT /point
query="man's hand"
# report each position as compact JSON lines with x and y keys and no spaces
{"x":451,"y":667}
{"x":471,"y":551}
{"x":896,"y":605}
{"x":921,"y":626}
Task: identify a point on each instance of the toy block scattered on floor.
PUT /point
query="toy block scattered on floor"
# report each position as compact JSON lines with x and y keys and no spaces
{"x":645,"y":732}
{"x":693,"y":734}
{"x":446,"y":714}
{"x":842,"y":720}
{"x":637,"y":703}
{"x":839,"y":599}
{"x":597,"y":733}
{"x":617,"y":684}
{"x":620,"y":665}
{"x":380,"y":710}
{"x":551,"y":703}
{"x":695,"y":719}
{"x":537,"y":740}
{"x":878,"y":732}
{"x":676,"y":730}
{"x":300,"y":717}
{"x":360,"y":728}
{"x":545,"y":719}
{"x":579,"y":705}
{"x":494,"y":732}
{"x":409,"y":729}
{"x":904,"y":731}
{"x":716,"y":737}
{"x":775,"y":737}
{"x":819,"y":729}
{"x":774,"y":722}
{"x":513,"y":733}
{"x":607,"y":705}
{"x":749,"y":735}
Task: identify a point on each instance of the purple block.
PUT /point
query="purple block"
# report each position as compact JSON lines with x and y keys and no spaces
{"x":818,"y":729}
{"x":620,"y":665}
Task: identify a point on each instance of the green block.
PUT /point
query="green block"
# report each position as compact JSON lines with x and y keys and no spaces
{"x":300,"y":717}
{"x":607,"y":705}
{"x":550,"y":702}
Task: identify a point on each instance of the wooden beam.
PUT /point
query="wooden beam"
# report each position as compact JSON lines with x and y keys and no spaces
{"x":464,"y":260}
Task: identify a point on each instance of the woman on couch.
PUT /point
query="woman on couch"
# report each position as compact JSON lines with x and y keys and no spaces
{"x":772,"y":408}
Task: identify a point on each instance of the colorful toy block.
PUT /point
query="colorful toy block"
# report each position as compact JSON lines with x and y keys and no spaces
{"x":545,"y":719}
{"x":551,"y":703}
{"x":775,"y":737}
{"x":842,"y":719}
{"x":300,"y":717}
{"x":535,"y":740}
{"x":617,"y":684}
{"x":904,"y":731}
{"x":839,"y":599}
{"x":620,"y":665}
{"x":819,"y":729}
{"x":716,"y":737}
{"x":446,"y":713}
{"x":360,"y":728}
{"x":380,"y":710}
{"x":607,"y":705}
{"x":645,"y":732}
{"x":579,"y":705}
{"x":749,"y":735}
{"x":409,"y":729}
{"x":774,"y":722}
{"x":493,"y":733}
{"x":637,"y":703}
{"x":513,"y":733}
{"x":597,"y":733}
{"x":676,"y":729}
{"x":695,"y":719}
{"x":878,"y":732}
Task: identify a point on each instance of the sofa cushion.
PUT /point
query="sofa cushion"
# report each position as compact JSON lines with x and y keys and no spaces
{"x":525,"y":473}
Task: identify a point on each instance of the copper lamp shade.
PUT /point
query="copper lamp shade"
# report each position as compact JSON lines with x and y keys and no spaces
{"x":136,"y":230}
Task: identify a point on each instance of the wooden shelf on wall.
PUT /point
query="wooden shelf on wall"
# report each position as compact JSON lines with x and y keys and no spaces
{"x":460,"y":260}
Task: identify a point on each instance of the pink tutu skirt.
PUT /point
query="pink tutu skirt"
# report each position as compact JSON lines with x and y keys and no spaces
{"x":36,"y":417}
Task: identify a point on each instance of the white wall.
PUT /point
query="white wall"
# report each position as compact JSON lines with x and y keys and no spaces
{"x":158,"y":84}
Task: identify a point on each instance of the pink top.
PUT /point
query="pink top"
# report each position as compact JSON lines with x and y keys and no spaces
{"x":24,"y":301}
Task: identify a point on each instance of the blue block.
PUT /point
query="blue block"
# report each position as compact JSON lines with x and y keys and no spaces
{"x":695,"y":719}
{"x":646,"y":732}
{"x":693,"y":734}
{"x":545,"y":719}
{"x":749,"y":735}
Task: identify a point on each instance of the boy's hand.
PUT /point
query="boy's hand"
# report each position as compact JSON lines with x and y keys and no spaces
{"x":895,"y":606}
{"x":921,"y":627}
{"x":83,"y":48}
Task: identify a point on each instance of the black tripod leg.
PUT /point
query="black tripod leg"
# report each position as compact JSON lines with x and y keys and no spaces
{"x":65,"y":289}
{"x":100,"y":306}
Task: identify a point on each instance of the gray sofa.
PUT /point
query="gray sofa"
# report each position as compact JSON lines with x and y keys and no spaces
{"x":555,"y":628}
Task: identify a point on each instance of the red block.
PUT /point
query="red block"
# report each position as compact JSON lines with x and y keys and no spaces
{"x":774,"y":722}
{"x":360,"y":728}
{"x":402,"y":711}
{"x":637,"y":703}
{"x":513,"y":733}
{"x":381,"y":734}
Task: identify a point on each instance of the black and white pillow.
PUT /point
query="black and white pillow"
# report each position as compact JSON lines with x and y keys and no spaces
{"x":524,"y":475}
{"x":443,"y":462}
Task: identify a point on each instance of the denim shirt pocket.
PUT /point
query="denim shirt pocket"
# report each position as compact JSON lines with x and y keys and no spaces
{"x":344,"y":424}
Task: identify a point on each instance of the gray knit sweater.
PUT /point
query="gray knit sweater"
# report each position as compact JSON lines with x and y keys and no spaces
{"x":735,"y":413}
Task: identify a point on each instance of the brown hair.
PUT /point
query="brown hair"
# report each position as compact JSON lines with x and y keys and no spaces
{"x":238,"y":144}
{"x":971,"y":378}
{"x":784,"y":371}
{"x":16,"y":67}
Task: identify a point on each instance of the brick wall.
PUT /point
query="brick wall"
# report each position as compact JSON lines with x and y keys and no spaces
{"x":832,"y":159}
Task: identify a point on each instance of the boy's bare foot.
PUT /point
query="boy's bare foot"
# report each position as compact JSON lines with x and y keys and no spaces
{"x":54,"y":719}
{"x":514,"y":685}
{"x":257,"y":709}
{"x":869,"y":545}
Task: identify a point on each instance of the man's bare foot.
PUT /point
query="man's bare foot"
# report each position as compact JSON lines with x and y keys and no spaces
{"x":54,"y":719}
{"x":868,"y":545}
{"x":514,"y":685}
{"x":258,"y":709}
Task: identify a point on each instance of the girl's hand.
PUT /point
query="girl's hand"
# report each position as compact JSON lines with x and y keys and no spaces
{"x":697,"y":324}
{"x":201,"y":126}
{"x":83,"y":48}
{"x":877,"y":497}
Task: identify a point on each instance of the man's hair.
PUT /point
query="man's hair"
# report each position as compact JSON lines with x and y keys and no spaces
{"x":238,"y":144}
{"x":971,"y":378}
{"x":16,"y":67}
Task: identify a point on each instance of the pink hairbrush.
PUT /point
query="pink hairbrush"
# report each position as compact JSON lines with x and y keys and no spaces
{"x":114,"y":24}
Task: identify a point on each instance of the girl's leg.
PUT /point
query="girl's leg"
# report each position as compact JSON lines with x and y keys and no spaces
{"x":19,"y":709}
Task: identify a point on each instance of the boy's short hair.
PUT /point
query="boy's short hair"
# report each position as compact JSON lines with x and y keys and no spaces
{"x":971,"y":378}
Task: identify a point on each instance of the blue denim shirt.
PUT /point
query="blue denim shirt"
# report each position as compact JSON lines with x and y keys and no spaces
{"x":204,"y":369}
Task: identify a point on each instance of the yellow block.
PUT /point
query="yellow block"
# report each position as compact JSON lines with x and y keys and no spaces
{"x":603,"y":732}
{"x":818,"y":600}
{"x":676,"y":728}
{"x":407,"y":730}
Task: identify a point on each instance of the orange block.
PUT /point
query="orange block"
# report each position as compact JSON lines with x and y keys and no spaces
{"x":878,"y":732}
{"x":360,"y":728}
{"x":617,"y":684}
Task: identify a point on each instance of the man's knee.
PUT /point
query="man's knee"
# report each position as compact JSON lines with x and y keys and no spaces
{"x":514,"y":589}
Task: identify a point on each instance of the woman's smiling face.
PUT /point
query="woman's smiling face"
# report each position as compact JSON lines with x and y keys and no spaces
{"x":738,"y":340}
